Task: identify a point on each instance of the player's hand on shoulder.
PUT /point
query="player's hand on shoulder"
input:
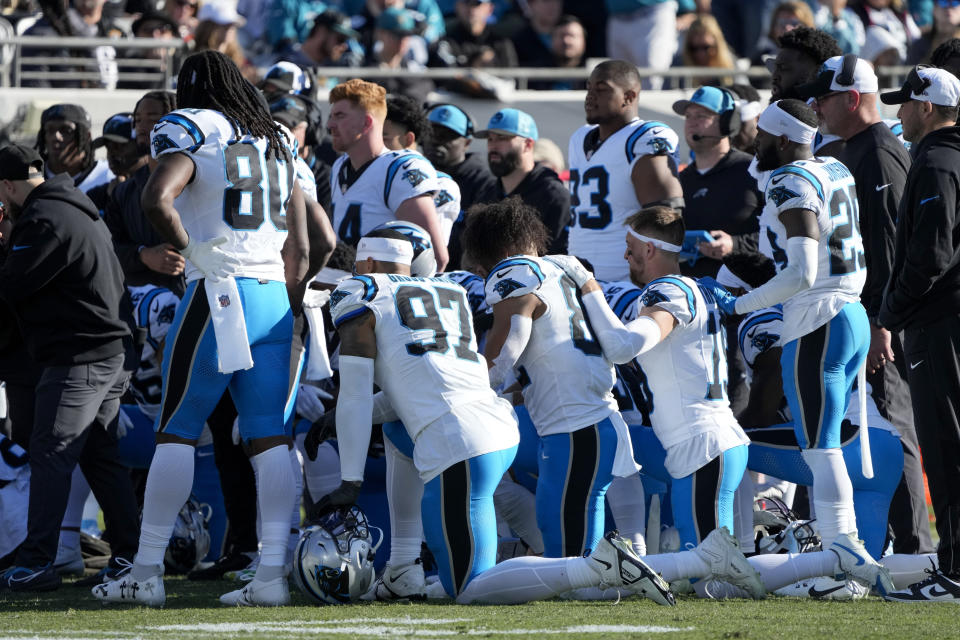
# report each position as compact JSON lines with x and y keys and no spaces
{"x":572,"y":267}
{"x":206,"y":255}
{"x":725,"y":300}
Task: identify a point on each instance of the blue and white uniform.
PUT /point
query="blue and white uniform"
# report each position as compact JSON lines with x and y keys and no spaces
{"x":446,"y":199}
{"x":602,"y":195}
{"x":567,"y":385}
{"x":465,"y":436}
{"x":364,"y":199}
{"x":239,"y":191}
{"x":825,"y":333}
{"x":774,"y":450}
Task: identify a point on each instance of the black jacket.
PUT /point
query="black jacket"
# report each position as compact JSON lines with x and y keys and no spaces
{"x":543,"y":190}
{"x":924,"y":283}
{"x":476,"y":183}
{"x":131,"y":230}
{"x":62,"y":278}
{"x":879,"y":163}
{"x":724,"y":198}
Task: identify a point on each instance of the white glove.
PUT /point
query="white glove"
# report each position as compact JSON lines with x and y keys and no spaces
{"x":124,"y":424}
{"x":310,"y":402}
{"x":212,"y":262}
{"x":572,"y":267}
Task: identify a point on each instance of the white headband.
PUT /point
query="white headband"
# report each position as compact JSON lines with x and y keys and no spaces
{"x":666,"y":246}
{"x":385,"y":250}
{"x":731,"y":280}
{"x":778,"y":122}
{"x":750,"y":110}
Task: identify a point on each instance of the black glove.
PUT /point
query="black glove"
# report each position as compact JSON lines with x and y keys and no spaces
{"x":320,"y":432}
{"x":343,"y":496}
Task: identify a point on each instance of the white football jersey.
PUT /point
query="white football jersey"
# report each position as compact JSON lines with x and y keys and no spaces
{"x":447,"y":201}
{"x":365,"y":201}
{"x":99,"y":174}
{"x":237,"y":192}
{"x":632,"y":390}
{"x":428,"y":366}
{"x":153,"y":310}
{"x":687,"y":372}
{"x":760,"y":331}
{"x":602,"y":196}
{"x":566,"y":379}
{"x":826,"y":187}
{"x":306,"y":179}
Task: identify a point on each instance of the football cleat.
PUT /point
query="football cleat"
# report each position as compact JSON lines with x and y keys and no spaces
{"x":619,"y":566}
{"x":824,"y":588}
{"x":117,"y":568}
{"x":859,"y":565}
{"x":259,"y":593}
{"x":43,"y":578}
{"x":69,"y":561}
{"x":721,"y":552}
{"x":232,"y":562}
{"x":936,"y":588}
{"x":405,"y":582}
{"x":126,"y":590}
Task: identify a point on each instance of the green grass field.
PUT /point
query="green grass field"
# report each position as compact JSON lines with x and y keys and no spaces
{"x":193,"y":612}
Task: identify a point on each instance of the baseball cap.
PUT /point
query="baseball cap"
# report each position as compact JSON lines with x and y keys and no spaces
{"x":69,"y":112}
{"x":511,"y":122}
{"x":220,"y":12}
{"x":117,"y":128}
{"x":289,"y":110}
{"x":18,"y":162}
{"x":841,"y":73}
{"x":397,"y":21}
{"x":451,"y":117}
{"x":286,"y":76}
{"x":152,"y":15}
{"x":711,"y":98}
{"x":337,"y":22}
{"x":926,"y":84}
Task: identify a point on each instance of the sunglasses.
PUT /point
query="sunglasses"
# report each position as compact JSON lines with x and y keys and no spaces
{"x":701,"y":47}
{"x":187,"y":3}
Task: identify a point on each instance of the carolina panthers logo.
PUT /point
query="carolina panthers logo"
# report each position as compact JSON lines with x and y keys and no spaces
{"x":333,"y":582}
{"x":779,"y":195}
{"x":162,"y":141}
{"x":763,"y":341}
{"x":651,"y":298}
{"x":506,"y":286}
{"x":659,"y":145}
{"x":442,"y":198}
{"x":414,"y":176}
{"x":166,"y":314}
{"x":336,"y":297}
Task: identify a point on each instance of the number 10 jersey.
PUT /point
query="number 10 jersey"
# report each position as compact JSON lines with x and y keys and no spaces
{"x":826,"y":187}
{"x":237,"y":191}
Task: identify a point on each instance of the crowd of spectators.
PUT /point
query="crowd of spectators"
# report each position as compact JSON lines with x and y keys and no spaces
{"x":728,"y":35}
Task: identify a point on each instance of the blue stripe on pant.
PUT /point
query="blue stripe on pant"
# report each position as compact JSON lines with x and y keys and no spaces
{"x":774,"y":451}
{"x":819,"y":370}
{"x":703,"y":500}
{"x":575,"y":471}
{"x":397,"y":434}
{"x":459,"y":521}
{"x":192,"y":383}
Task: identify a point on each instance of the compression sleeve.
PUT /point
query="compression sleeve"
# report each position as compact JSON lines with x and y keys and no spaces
{"x":620,"y":343}
{"x":799,"y":274}
{"x":382,"y":409}
{"x":517,"y":338}
{"x":354,"y":415}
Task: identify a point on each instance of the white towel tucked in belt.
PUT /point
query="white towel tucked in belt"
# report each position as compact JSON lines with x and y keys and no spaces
{"x":229,"y":325}
{"x":318,"y":362}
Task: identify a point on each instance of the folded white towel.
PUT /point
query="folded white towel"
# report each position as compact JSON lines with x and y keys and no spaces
{"x":229,"y":325}
{"x":318,"y":361}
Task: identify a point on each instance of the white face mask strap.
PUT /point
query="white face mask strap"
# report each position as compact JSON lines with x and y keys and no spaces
{"x":385,"y":250}
{"x":660,"y":244}
{"x":778,"y":122}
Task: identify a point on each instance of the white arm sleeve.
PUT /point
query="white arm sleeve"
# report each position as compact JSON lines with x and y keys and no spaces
{"x":520,"y":329}
{"x":799,"y":274}
{"x":382,"y":409}
{"x":354,"y":415}
{"x":620,"y":343}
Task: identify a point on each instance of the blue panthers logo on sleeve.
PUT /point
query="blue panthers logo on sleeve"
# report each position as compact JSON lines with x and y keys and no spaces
{"x":336,"y":297}
{"x":779,"y":195}
{"x":506,"y":286}
{"x":660,"y":146}
{"x":651,"y":298}
{"x":414,"y":177}
{"x":763,"y":341}
{"x":165,"y":316}
{"x":162,"y":142}
{"x":443,"y":197}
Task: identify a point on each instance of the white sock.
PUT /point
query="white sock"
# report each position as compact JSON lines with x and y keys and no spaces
{"x":529,"y":578}
{"x":678,"y":565}
{"x":275,"y":487}
{"x":832,"y":494}
{"x":905,"y":568}
{"x":626,"y":501}
{"x":323,"y":474}
{"x":168,"y":487}
{"x":780,"y":569}
{"x":518,"y":507}
{"x":294,"y":536}
{"x":73,"y":516}
{"x":743,"y":513}
{"x":404,"y":494}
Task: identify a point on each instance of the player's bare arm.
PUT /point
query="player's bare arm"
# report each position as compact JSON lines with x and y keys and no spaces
{"x":766,"y":391}
{"x":320,"y":234}
{"x":421,"y":211}
{"x":654,"y":180}
{"x":173,"y":173}
{"x":296,"y":249}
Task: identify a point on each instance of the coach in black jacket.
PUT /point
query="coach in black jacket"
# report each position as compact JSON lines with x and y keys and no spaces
{"x":64,"y":284}
{"x":923,"y":298}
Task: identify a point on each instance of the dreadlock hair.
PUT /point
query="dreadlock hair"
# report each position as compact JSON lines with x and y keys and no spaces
{"x":210,"y":80}
{"x":497,"y":231}
{"x":83,"y":139}
{"x":167,"y":99}
{"x":408,"y":113}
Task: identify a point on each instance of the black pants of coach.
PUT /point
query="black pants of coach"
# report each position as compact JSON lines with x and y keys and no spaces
{"x":933,"y":371}
{"x":74,"y":422}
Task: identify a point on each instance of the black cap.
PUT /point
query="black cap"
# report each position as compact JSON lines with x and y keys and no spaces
{"x":152,"y":15}
{"x":337,"y":22}
{"x":69,"y":112}
{"x":117,"y":128}
{"x":18,"y":162}
{"x":290,"y":110}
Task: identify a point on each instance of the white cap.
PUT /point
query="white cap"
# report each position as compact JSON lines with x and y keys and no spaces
{"x":220,"y":12}
{"x":841,"y":73}
{"x":927,"y":84}
{"x":879,"y":40}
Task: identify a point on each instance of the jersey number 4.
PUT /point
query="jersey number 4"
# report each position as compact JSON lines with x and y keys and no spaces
{"x":243,"y":200}
{"x":418,"y":312}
